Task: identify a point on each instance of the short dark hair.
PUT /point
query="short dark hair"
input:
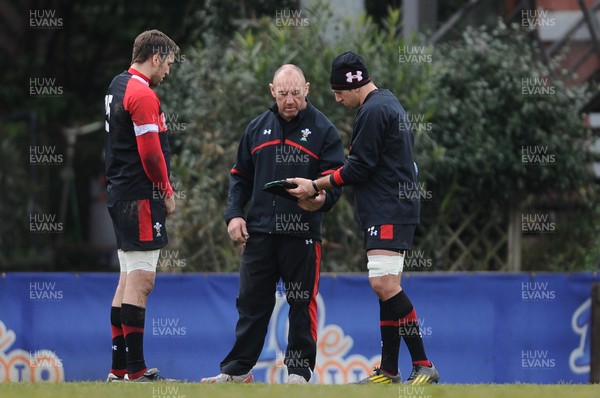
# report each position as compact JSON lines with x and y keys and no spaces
{"x":152,"y":42}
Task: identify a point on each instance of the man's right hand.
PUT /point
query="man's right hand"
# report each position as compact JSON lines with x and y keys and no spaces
{"x":237,"y":230}
{"x":170,"y":205}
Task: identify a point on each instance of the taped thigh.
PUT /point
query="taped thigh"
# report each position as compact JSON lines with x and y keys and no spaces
{"x":142,"y":260}
{"x":379,"y":265}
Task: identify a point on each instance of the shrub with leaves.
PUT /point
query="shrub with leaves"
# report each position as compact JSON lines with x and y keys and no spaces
{"x":509,"y":127}
{"x":511,"y":131}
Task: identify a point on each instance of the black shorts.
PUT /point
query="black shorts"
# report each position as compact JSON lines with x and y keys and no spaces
{"x":389,"y":237}
{"x":139,"y":224}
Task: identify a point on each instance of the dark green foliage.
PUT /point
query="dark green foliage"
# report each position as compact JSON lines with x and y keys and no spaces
{"x":493,"y":114}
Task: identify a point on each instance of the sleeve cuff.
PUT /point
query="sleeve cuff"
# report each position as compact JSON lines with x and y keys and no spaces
{"x":336,"y":178}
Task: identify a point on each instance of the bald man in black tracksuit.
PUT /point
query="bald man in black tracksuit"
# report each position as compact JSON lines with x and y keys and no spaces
{"x":282,"y":236}
{"x":381,"y":168}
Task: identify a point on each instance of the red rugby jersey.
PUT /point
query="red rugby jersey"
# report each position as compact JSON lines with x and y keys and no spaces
{"x":137,"y":152}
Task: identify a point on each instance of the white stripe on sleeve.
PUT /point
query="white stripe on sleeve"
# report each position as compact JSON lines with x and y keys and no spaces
{"x":145,"y":128}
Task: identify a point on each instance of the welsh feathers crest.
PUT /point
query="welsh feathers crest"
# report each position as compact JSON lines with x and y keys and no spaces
{"x":305,"y":134}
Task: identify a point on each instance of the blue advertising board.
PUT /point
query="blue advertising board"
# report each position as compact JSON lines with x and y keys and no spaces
{"x":477,"y":327}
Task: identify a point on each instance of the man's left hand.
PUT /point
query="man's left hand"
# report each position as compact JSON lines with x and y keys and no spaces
{"x":304,"y":190}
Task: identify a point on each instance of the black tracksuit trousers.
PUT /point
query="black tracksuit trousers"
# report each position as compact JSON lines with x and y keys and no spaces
{"x":266,"y":259}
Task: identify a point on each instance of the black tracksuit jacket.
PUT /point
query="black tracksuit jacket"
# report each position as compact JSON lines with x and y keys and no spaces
{"x":381,"y":165}
{"x":308,"y":146}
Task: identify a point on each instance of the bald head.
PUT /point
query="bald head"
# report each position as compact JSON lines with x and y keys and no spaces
{"x":289,"y":69}
{"x":289,"y":88}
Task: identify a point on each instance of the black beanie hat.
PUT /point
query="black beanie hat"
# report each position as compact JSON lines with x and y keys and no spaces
{"x":348,"y":71}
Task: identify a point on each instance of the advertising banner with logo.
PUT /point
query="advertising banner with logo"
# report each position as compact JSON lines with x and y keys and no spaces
{"x":477,"y":327}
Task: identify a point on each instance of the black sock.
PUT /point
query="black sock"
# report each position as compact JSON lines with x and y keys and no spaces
{"x":390,"y":336}
{"x":119,"y":360}
{"x":133,"y":318}
{"x":409,"y":329}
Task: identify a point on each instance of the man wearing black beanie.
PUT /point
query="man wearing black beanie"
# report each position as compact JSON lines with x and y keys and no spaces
{"x":381,"y":168}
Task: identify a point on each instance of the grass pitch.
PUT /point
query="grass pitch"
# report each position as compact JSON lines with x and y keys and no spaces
{"x":191,"y":390}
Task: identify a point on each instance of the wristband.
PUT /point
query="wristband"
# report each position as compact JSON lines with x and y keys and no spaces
{"x":315,"y":187}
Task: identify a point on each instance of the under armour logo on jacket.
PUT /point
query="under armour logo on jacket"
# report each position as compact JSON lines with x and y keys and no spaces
{"x":350,"y":77}
{"x":372,"y":231}
{"x":267,"y":131}
{"x":309,"y":241}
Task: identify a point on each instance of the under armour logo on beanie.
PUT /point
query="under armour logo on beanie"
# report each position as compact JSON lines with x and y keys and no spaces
{"x":348,"y":71}
{"x":350,"y":77}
